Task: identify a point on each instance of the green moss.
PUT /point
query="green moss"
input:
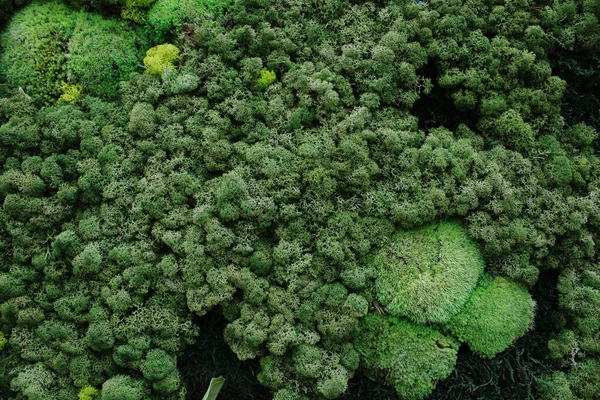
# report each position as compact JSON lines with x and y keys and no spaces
{"x":102,"y":53}
{"x":160,"y":57}
{"x":286,"y":394}
{"x":515,"y":133}
{"x":88,"y":392}
{"x":555,"y":387}
{"x":563,"y":345}
{"x":122,"y":387}
{"x":197,"y":191}
{"x":166,"y":17}
{"x":407,"y":356}
{"x":498,"y":312}
{"x":584,"y":379}
{"x":3,"y":341}
{"x":136,"y":10}
{"x":71,"y":93}
{"x":88,"y":261}
{"x":266,"y":79}
{"x":37,"y":63}
{"x":427,"y":274}
{"x":46,"y":44}
{"x":157,"y":365}
{"x":134,"y":14}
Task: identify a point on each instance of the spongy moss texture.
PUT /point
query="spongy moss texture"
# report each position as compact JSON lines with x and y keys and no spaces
{"x":124,"y":224}
{"x":88,"y":392}
{"x":427,"y":274}
{"x":407,"y":356}
{"x":166,"y":16}
{"x":46,"y":44}
{"x":160,"y":57}
{"x":498,"y":312}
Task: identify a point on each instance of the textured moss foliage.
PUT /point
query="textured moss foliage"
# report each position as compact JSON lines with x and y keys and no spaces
{"x":88,"y":393}
{"x":431,"y":275}
{"x":266,"y":79}
{"x":580,"y":298}
{"x":166,"y":17}
{"x":585,"y":379}
{"x":71,"y":93}
{"x":160,"y":368}
{"x":122,"y":387}
{"x":583,"y":382}
{"x":161,"y":57}
{"x":136,"y":10}
{"x":49,"y":43}
{"x":498,"y":312}
{"x":409,"y":357}
{"x":275,"y":207}
{"x":427,"y":274}
{"x":3,"y":341}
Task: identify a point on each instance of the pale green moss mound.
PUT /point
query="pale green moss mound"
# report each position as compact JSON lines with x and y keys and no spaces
{"x":498,"y":312}
{"x":48,"y":45}
{"x":409,"y":357}
{"x":428,"y":274}
{"x":161,"y":57}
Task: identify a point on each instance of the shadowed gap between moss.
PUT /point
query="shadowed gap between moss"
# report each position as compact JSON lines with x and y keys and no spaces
{"x":436,"y":109}
{"x":210,"y":356}
{"x":512,"y":374}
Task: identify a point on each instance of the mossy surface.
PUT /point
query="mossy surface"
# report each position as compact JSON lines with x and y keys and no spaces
{"x":407,"y":356}
{"x":197,"y":191}
{"x":166,"y":17}
{"x":161,"y":57}
{"x":47,"y":44}
{"x":266,"y":79}
{"x":88,"y":392}
{"x":498,"y":312}
{"x":427,"y":274}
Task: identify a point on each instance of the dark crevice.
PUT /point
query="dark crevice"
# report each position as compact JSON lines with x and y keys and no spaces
{"x":580,"y":102}
{"x":436,"y":109}
{"x":210,"y":357}
{"x":512,"y":374}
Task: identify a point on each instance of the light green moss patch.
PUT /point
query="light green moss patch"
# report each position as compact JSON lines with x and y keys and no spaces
{"x":427,"y":274}
{"x":161,"y":57}
{"x":50,"y":43}
{"x":498,"y":312}
{"x":409,"y":357}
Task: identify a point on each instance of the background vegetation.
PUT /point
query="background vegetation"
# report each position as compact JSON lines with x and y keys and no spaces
{"x":242,"y":187}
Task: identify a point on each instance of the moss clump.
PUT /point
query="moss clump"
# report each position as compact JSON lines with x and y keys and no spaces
{"x":71,"y":93}
{"x":122,"y":387}
{"x":160,"y":57}
{"x":498,"y":312}
{"x":88,"y":392}
{"x":3,"y":341}
{"x":46,"y":44}
{"x":136,"y":10}
{"x":407,"y":356}
{"x":266,"y":79}
{"x":166,"y":17}
{"x":428,"y":274}
{"x":555,"y":387}
{"x":585,"y":379}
